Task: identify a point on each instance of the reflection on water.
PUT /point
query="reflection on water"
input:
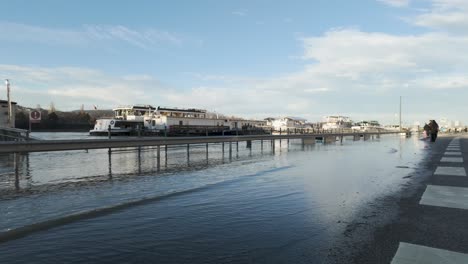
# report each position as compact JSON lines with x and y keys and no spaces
{"x":252,"y":205}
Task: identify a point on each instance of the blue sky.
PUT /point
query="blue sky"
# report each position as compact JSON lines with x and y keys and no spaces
{"x":246,"y":58}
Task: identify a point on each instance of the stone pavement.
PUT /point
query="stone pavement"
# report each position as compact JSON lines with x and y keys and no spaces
{"x":436,"y":232}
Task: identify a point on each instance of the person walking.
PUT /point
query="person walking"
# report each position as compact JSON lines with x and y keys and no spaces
{"x":434,"y":129}
{"x":427,"y":131}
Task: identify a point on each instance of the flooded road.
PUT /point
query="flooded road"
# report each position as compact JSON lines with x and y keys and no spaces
{"x":290,"y":206}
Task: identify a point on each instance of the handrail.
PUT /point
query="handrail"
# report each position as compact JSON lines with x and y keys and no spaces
{"x":83,"y":144}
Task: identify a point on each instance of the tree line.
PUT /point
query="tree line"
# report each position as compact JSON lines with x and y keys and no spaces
{"x":53,"y":119}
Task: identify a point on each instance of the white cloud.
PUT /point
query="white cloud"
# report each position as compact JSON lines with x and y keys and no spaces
{"x":241,"y":13}
{"x":146,"y":38}
{"x":69,"y":87}
{"x":396,"y":3}
{"x":445,"y":15}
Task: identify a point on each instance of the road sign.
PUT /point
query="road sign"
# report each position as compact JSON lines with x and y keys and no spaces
{"x":35,"y":116}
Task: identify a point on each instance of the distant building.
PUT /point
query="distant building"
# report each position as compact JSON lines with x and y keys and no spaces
{"x":285,"y":123}
{"x":4,"y":114}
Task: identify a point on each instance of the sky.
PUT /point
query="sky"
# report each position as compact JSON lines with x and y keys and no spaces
{"x":249,"y":58}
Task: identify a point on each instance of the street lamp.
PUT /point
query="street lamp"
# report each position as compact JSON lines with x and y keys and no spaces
{"x":7,"y":83}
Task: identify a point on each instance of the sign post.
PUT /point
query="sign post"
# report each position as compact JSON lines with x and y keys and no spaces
{"x":34,"y":117}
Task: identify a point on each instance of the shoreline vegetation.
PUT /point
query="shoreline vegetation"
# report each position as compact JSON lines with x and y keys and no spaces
{"x":54,"y":120}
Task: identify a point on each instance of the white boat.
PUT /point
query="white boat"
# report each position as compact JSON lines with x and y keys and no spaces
{"x":171,"y":120}
{"x":286,"y":124}
{"x":393,"y":128}
{"x":336,"y":122}
{"x":367,"y":126}
{"x":126,"y":120}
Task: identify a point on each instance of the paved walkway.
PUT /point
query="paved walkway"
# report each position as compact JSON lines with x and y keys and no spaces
{"x":437,"y":232}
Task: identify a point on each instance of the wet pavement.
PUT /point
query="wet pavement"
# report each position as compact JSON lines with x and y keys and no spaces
{"x":430,"y":224}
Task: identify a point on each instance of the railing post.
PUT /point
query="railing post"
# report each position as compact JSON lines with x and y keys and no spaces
{"x":188,"y":153}
{"x":139,"y":160}
{"x":17,"y":176}
{"x":110,"y":162}
{"x":165,"y":155}
{"x":158,"y":157}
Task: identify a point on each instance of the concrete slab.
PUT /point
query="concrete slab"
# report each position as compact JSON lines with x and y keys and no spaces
{"x":445,"y":196}
{"x":414,"y":254}
{"x":452,"y":153}
{"x":450,"y":171}
{"x":452,"y":159}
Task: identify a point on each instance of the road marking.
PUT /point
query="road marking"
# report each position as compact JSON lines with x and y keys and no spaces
{"x":445,"y":196}
{"x":452,"y":153}
{"x":450,"y":171}
{"x":454,"y":148}
{"x":452,"y":159}
{"x":413,"y":254}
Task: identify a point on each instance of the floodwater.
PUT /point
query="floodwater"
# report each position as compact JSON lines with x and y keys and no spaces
{"x":253,"y":206}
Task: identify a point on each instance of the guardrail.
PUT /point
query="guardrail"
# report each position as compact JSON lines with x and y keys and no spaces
{"x":13,"y":134}
{"x":83,"y":144}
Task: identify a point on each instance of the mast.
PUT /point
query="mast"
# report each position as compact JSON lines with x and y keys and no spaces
{"x":400,"y":113}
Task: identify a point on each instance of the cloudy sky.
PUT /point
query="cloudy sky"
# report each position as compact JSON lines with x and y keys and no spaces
{"x":253,"y":58}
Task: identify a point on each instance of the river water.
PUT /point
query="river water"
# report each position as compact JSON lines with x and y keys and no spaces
{"x":253,"y":207}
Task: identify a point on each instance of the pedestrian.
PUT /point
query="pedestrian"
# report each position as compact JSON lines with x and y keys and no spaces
{"x":434,"y":129}
{"x":427,"y":130}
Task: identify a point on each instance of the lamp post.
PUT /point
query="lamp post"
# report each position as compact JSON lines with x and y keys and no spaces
{"x":7,"y":83}
{"x":400,"y":115}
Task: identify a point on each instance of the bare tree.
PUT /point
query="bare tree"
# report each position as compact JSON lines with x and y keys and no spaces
{"x":52,"y":108}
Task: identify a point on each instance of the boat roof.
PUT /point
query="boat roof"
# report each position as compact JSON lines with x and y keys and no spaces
{"x":6,"y":102}
{"x":136,"y":107}
{"x":184,"y":110}
{"x":337,"y":116}
{"x":296,"y":118}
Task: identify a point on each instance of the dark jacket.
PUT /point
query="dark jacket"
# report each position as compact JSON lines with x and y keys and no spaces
{"x":434,"y":126}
